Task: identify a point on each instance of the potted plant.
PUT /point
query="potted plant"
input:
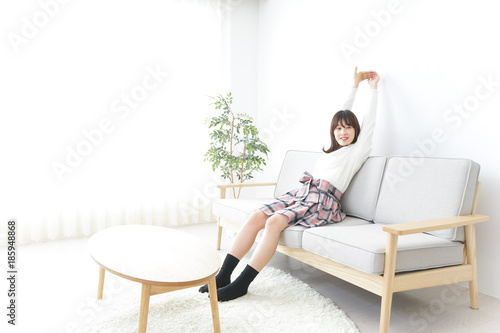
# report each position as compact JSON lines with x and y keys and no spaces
{"x":235,"y":148}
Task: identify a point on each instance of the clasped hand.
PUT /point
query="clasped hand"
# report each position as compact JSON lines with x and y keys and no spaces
{"x":371,"y":76}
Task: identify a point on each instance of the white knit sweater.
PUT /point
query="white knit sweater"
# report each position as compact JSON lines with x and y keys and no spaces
{"x":340,"y":166}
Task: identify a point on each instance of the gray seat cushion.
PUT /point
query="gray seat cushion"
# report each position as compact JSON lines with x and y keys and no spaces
{"x":427,"y":188}
{"x":238,"y":211}
{"x":363,"y":247}
{"x":292,"y":236}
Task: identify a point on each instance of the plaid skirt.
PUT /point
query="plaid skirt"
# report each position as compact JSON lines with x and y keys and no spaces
{"x":315,"y":203}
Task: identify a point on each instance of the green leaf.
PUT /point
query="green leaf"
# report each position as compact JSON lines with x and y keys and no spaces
{"x":249,"y":152}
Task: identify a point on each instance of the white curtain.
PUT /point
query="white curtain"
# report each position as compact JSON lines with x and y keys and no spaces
{"x":102,"y":113}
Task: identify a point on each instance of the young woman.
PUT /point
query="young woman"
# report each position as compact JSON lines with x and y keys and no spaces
{"x":315,"y":203}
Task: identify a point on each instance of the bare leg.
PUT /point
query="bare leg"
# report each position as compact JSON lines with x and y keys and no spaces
{"x":263,"y":253}
{"x":267,"y":246}
{"x":246,"y":236}
{"x":241,"y":245}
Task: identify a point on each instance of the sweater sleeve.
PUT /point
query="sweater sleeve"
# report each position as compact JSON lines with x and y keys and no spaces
{"x":350,"y":99}
{"x":364,"y":141}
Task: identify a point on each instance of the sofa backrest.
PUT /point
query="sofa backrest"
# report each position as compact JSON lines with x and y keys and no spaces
{"x":358,"y":200}
{"x":294,"y":165}
{"x":415,"y":189}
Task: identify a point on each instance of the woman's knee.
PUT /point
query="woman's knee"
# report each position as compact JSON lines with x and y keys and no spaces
{"x":277,"y":222}
{"x":258,"y":219}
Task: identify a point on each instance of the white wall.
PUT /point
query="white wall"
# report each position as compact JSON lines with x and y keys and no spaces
{"x":435,"y":60}
{"x":243,"y":48}
{"x":241,"y":20}
{"x":97,"y":100}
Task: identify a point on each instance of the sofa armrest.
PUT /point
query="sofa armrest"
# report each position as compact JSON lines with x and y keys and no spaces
{"x":224,"y":187}
{"x":408,"y":228}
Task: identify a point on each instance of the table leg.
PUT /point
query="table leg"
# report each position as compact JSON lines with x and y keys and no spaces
{"x":212,"y":290}
{"x":101,"y":282}
{"x":143,"y":316}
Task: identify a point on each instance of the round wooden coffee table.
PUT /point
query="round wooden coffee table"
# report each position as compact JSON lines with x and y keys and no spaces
{"x":160,"y":258}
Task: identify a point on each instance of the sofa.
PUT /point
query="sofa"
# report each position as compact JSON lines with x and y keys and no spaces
{"x":410,"y":224}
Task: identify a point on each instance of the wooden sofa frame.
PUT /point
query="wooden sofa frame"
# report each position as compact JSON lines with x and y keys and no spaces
{"x":386,"y":284}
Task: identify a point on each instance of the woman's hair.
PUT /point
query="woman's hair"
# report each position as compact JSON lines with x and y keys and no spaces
{"x":345,"y":118}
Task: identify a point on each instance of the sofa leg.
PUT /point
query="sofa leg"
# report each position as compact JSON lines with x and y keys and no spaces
{"x":474,"y":300}
{"x":470,"y":243}
{"x":385,"y":313}
{"x":219,"y":234}
{"x":389,"y":272}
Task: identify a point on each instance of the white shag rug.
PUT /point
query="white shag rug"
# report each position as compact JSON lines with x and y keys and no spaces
{"x":275,"y":302}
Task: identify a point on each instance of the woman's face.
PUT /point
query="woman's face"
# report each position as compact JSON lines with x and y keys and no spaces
{"x":344,"y":134}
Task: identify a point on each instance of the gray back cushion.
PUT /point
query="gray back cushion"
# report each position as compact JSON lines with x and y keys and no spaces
{"x":360,"y":198}
{"x":415,"y":189}
{"x":294,"y":165}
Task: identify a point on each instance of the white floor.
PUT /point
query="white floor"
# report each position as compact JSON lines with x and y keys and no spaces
{"x":57,"y":285}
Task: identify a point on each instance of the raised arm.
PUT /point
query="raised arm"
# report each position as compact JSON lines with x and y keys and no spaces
{"x":373,"y":80}
{"x":350,"y":99}
{"x":368,"y":125}
{"x":358,"y":78}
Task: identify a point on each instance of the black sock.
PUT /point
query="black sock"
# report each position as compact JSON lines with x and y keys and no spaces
{"x":238,"y":287}
{"x":223,"y":278}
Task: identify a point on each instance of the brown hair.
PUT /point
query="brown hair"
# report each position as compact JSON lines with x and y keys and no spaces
{"x":343,"y":117}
